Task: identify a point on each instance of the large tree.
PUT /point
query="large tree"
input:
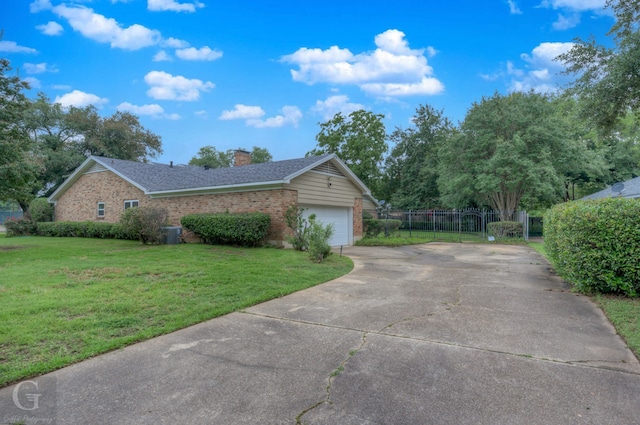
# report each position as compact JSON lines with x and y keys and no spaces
{"x":16,"y":170}
{"x":412,"y":167}
{"x":61,"y":138}
{"x":509,"y":148}
{"x":359,"y":140}
{"x":608,"y":78}
{"x":211,"y":157}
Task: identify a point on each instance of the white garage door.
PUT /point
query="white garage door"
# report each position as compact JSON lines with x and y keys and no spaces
{"x":338,"y":216}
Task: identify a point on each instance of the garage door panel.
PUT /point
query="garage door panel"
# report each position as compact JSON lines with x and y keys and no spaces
{"x":338,"y":216}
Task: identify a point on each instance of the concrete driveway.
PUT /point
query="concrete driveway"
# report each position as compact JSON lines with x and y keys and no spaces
{"x":429,"y":334}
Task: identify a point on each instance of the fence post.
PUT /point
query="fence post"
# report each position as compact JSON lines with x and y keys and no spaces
{"x":409,"y":223}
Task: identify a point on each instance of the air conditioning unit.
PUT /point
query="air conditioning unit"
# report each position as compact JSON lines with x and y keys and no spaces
{"x":173,"y":235}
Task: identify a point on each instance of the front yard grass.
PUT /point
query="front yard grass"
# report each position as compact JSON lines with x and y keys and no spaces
{"x":67,"y":299}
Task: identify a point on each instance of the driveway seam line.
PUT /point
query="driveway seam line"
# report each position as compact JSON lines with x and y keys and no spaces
{"x":450,"y":344}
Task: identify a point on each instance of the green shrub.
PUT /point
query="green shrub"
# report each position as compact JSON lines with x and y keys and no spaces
{"x":595,"y":245}
{"x":148,"y":224}
{"x":374,"y":227}
{"x":300,"y":227}
{"x":40,"y":210}
{"x":319,"y":236}
{"x":243,"y":229}
{"x":366,"y":215}
{"x":505,"y":229}
{"x":83,"y":229}
{"x":19,"y":227}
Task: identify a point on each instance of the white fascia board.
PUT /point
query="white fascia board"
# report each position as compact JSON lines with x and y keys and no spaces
{"x":218,"y":189}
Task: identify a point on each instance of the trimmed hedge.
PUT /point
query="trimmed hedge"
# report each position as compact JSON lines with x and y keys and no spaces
{"x":19,"y":227}
{"x":373,"y":227}
{"x":83,"y":229}
{"x":595,"y":245}
{"x":243,"y":229}
{"x":505,"y":229}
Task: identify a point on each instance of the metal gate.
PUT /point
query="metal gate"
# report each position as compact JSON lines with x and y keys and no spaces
{"x":469,"y":225}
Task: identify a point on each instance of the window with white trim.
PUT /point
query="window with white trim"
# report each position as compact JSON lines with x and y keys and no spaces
{"x":100,"y":209}
{"x":130,"y":204}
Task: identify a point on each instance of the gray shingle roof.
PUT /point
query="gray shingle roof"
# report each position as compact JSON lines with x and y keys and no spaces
{"x":154,"y":177}
{"x":631,"y":190}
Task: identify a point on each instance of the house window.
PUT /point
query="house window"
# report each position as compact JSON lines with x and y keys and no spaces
{"x":130,"y":204}
{"x":100,"y":209}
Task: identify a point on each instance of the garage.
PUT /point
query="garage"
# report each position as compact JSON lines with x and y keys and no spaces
{"x":340,"y":217}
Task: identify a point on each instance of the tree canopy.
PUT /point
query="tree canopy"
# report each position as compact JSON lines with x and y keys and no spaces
{"x":507,"y":149}
{"x":412,"y":166}
{"x":608,"y":81}
{"x":16,"y":169}
{"x":359,"y":140}
{"x":211,"y":157}
{"x":64,"y":137}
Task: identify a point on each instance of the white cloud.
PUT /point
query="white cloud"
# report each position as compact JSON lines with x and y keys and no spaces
{"x":545,"y":53}
{"x":542,"y":73}
{"x":162,"y":56}
{"x":107,"y":30}
{"x":513,"y":7}
{"x":152,"y":110}
{"x":334,"y":104}
{"x":242,"y":112}
{"x":39,"y":5}
{"x":202,"y":114}
{"x":202,"y":54}
{"x":291,"y":115}
{"x":50,"y":28}
{"x":13,"y":47}
{"x":165,"y":86}
{"x":571,"y":11}
{"x":174,"y":43}
{"x":38,"y":68}
{"x":173,"y":6}
{"x":393,"y":69}
{"x":34,"y":83}
{"x":80,"y":99}
{"x":577,"y":5}
{"x":566,"y":22}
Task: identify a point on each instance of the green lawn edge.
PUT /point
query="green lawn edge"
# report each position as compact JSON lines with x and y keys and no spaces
{"x":69,"y":299}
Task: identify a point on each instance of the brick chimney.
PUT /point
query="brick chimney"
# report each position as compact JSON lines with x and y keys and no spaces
{"x":241,"y":157}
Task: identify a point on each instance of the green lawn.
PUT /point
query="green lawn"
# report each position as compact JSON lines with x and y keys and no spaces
{"x":404,"y":237}
{"x":67,"y":299}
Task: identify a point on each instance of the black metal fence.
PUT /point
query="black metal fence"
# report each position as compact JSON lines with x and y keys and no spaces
{"x":452,"y":225}
{"x":5,"y":215}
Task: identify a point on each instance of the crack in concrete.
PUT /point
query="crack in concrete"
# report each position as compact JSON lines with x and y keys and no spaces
{"x":576,"y":363}
{"x":337,"y":371}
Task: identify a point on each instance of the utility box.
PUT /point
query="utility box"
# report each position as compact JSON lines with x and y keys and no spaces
{"x":173,"y":235}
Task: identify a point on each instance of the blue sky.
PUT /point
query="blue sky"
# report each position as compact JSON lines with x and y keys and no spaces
{"x":264,"y":73}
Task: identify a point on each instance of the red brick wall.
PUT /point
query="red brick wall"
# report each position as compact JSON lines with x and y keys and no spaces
{"x":357,"y":219}
{"x":79,"y":202}
{"x":273,"y":202}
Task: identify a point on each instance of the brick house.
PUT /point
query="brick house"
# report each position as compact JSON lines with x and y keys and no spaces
{"x":100,"y":189}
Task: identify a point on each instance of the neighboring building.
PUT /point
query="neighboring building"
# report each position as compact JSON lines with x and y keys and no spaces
{"x":102,"y":188}
{"x":627,"y":189}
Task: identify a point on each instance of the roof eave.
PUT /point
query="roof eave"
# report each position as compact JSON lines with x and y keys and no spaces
{"x":217,"y":189}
